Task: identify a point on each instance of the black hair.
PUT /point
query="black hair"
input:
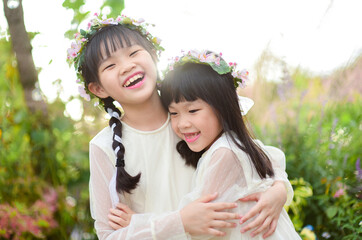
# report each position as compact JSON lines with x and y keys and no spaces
{"x":192,"y":81}
{"x":103,"y":43}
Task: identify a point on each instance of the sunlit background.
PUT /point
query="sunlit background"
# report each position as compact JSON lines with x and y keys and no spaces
{"x":305,"y":64}
{"x":316,"y":35}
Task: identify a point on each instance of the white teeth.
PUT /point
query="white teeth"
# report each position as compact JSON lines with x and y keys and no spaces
{"x":190,"y":135}
{"x":132,"y":79}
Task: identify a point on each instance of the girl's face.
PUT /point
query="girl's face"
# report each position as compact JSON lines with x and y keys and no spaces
{"x":196,"y":123}
{"x":128,"y":75}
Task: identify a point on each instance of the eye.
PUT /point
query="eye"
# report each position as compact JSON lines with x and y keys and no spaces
{"x":193,"y":110}
{"x":134,"y":52}
{"x":108,"y":66}
{"x":173,"y":113}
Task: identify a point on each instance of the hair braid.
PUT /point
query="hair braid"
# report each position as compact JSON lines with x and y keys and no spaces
{"x":124,"y":181}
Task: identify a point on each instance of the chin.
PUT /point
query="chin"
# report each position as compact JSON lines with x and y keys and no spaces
{"x":196,"y":149}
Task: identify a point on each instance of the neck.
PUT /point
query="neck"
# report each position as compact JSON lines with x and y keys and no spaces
{"x":146,"y":116}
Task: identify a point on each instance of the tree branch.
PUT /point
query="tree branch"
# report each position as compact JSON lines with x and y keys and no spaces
{"x":22,"y":49}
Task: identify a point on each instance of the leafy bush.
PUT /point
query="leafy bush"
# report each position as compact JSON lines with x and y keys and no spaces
{"x":317,"y":122}
{"x":44,"y":166}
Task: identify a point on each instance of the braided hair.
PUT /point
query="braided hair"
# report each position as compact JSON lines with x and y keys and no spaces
{"x":101,"y":44}
{"x":124,"y":181}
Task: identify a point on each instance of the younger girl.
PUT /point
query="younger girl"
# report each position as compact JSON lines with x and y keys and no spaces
{"x":134,"y":161}
{"x":199,"y":91}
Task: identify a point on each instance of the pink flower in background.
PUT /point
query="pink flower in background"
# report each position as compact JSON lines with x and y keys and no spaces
{"x":358,"y":169}
{"x":341,"y":191}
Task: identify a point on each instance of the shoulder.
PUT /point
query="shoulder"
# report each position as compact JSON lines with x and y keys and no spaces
{"x":222,"y":142}
{"x":272,"y":151}
{"x":225,"y":144}
{"x":102,"y":139}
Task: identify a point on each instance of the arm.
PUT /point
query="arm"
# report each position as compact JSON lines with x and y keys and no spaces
{"x":277,"y":158}
{"x":221,"y":174}
{"x":269,"y":203}
{"x":195,"y":217}
{"x":149,"y":226}
{"x":142,"y":226}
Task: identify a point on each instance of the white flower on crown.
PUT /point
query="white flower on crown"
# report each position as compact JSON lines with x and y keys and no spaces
{"x":83,"y":93}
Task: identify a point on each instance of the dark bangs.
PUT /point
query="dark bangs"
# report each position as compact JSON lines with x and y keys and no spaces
{"x":192,"y":81}
{"x":106,"y":41}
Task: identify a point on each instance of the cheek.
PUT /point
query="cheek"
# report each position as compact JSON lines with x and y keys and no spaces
{"x":174,"y":125}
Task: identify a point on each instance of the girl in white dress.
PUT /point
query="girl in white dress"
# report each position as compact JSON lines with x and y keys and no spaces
{"x":134,"y":161}
{"x":199,"y":91}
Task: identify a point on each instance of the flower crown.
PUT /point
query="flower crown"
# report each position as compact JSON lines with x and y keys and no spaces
{"x":75,"y":54}
{"x":218,"y":64}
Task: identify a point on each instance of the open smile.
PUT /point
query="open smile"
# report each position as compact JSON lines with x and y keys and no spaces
{"x":134,"y":81}
{"x":191,"y":137}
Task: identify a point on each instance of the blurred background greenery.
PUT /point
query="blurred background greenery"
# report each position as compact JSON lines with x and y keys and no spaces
{"x":44,"y":170}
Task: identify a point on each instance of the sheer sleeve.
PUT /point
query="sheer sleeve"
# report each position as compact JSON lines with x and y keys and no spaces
{"x":277,"y":157}
{"x":224,"y":173}
{"x":143,"y":226}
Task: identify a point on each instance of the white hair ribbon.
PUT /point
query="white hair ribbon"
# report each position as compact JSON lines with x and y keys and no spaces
{"x":118,"y":139}
{"x":245,"y":104}
{"x":116,"y":150}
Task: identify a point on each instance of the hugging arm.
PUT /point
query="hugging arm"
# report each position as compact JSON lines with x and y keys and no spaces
{"x":199,"y":217}
{"x":142,"y":226}
{"x":269,"y":203}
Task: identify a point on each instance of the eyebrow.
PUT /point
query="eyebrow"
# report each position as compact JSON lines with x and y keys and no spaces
{"x":104,"y":60}
{"x":187,"y":104}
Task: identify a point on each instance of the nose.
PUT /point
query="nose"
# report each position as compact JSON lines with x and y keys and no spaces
{"x":127,"y":67}
{"x":183,"y":122}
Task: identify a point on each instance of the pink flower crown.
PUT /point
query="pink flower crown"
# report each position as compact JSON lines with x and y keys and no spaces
{"x":75,"y":54}
{"x":217,"y":63}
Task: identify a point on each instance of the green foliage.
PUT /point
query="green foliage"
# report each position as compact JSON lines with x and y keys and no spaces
{"x":44,"y":166}
{"x":302,"y":191}
{"x":320,"y":135}
{"x":114,"y":6}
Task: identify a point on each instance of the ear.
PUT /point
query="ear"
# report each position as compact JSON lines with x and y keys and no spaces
{"x":97,"y":90}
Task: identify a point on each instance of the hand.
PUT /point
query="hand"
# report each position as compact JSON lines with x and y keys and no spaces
{"x":269,"y":206}
{"x":202,"y":217}
{"x":120,"y":216}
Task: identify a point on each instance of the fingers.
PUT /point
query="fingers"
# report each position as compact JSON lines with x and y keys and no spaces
{"x":226,"y":216}
{"x":207,"y":198}
{"x":271,"y":230}
{"x":214,"y":232}
{"x":118,"y":213}
{"x":251,"y":213}
{"x":114,"y":225}
{"x":124,"y":208}
{"x":255,"y":223}
{"x":262,"y":228}
{"x":119,"y":217}
{"x":221,"y":206}
{"x":251,"y":197}
{"x":117,"y":220}
{"x":222,"y":224}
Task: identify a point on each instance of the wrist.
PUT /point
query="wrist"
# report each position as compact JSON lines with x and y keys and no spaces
{"x":183,"y":217}
{"x":281,"y":189}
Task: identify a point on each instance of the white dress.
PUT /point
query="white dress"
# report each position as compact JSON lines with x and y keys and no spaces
{"x":165,"y":179}
{"x":226,"y":169}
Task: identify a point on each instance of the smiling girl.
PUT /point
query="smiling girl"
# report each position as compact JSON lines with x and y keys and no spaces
{"x":134,"y":161}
